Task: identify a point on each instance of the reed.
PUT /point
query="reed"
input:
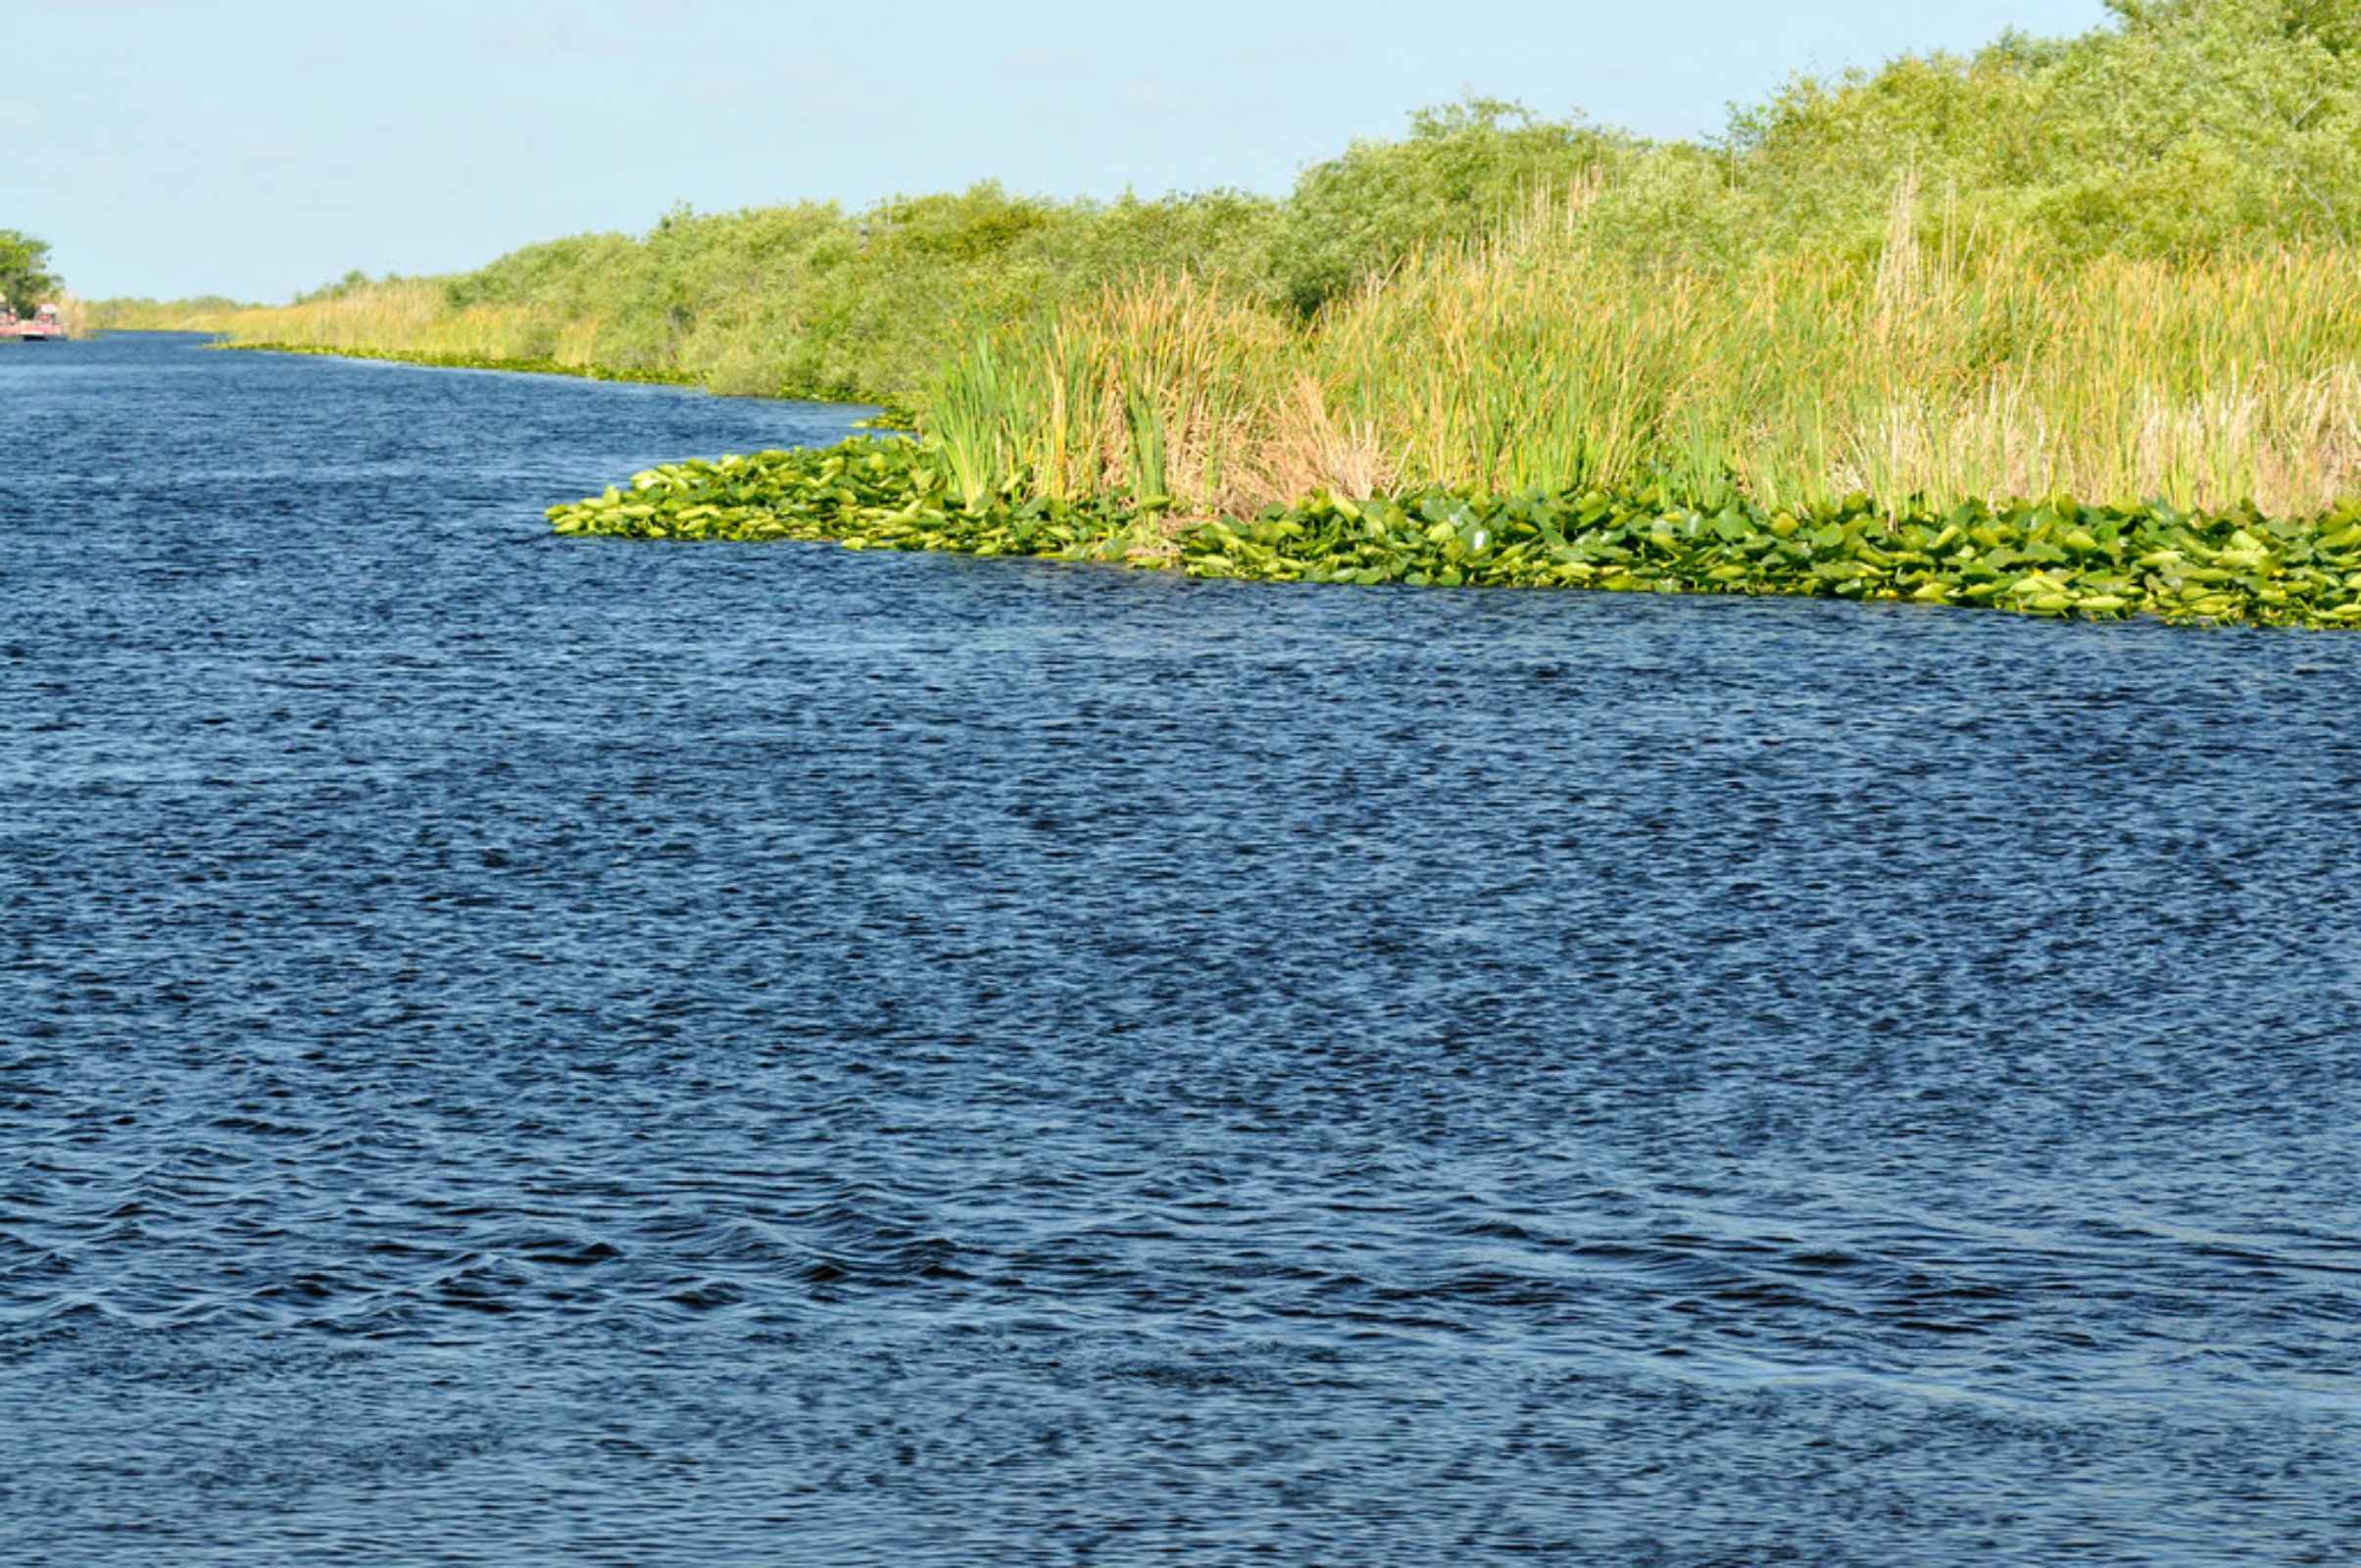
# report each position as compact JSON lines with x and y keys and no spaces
{"x":410,"y":315}
{"x":1943,"y":368}
{"x":1153,"y":390}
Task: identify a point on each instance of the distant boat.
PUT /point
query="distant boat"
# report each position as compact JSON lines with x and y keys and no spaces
{"x":44,"y":326}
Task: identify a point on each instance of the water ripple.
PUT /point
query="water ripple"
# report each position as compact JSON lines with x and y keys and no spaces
{"x":522,"y":1051}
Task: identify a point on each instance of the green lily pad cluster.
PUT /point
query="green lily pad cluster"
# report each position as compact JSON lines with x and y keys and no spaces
{"x":2049,"y":558}
{"x":870,"y":493}
{"x":2045,"y":558}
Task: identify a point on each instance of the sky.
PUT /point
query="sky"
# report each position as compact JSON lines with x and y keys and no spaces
{"x":256,"y":148}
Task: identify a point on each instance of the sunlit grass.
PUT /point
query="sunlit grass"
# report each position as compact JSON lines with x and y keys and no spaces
{"x":1938,"y":369}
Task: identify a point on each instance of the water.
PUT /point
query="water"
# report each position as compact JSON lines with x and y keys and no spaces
{"x":530,"y":1050}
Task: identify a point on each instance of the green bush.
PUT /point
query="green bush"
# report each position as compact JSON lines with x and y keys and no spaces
{"x":1462,"y":169}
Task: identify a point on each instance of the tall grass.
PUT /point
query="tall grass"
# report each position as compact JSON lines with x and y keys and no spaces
{"x":1944,"y":365}
{"x":413,"y":316}
{"x":2121,"y":266}
{"x":1155,"y":390}
{"x":209,"y":313}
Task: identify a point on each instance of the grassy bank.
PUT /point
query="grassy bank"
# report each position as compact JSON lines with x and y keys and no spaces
{"x":808,"y":300}
{"x":1936,"y":369}
{"x":2228,"y":128}
{"x":466,"y":359}
{"x":1826,"y":352}
{"x":1536,"y":409}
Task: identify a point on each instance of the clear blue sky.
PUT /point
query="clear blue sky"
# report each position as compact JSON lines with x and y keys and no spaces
{"x":258,"y":147}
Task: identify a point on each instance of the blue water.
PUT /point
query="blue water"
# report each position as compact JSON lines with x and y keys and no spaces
{"x":518,"y":1050}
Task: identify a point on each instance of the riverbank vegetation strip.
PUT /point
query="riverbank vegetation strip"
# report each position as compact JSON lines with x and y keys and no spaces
{"x":2183,"y":129}
{"x":2120,"y":269}
{"x":2048,"y":557}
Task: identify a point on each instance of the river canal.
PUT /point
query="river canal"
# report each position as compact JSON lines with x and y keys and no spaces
{"x":519,"y":1050}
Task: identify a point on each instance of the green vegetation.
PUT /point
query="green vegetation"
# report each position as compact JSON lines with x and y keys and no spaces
{"x":1690,"y":370}
{"x":2188,"y":128}
{"x":1541,"y":357}
{"x":207,"y":313}
{"x":461,"y":360}
{"x":2051,"y":558}
{"x":2121,"y":268}
{"x":802,"y":301}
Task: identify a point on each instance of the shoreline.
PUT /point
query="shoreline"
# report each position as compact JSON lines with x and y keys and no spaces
{"x":455,"y":360}
{"x":2056,"y":557}
{"x":884,"y":416}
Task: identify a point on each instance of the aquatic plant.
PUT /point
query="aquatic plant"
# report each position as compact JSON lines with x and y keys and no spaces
{"x":2051,"y":556}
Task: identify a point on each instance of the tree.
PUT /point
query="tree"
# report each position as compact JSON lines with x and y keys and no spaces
{"x":2335,"y":24}
{"x":25,"y":277}
{"x":2190,"y":126}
